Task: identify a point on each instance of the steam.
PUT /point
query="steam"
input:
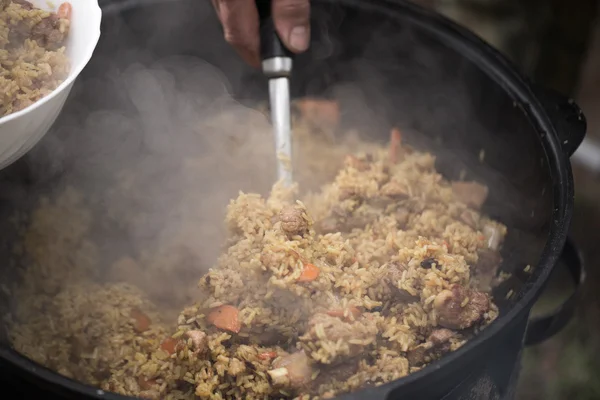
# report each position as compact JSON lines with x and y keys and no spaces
{"x":159,"y":145}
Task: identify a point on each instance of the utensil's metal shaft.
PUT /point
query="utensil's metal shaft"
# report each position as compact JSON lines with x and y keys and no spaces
{"x":278,"y":70}
{"x":279,"y":95}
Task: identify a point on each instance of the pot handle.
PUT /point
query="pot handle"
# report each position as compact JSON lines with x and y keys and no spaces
{"x":541,"y":328}
{"x":566,"y":116}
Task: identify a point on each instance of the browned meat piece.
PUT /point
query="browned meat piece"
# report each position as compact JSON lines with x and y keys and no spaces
{"x":355,"y":336}
{"x":50,"y":32}
{"x":473,"y":194}
{"x":268,"y":338}
{"x":356,"y":163}
{"x":437,"y":344}
{"x":420,"y":354}
{"x":293,"y":222}
{"x":199,"y":340}
{"x":486,"y":268}
{"x":395,"y":190}
{"x":493,"y":235}
{"x":334,"y":373}
{"x":489,"y":261}
{"x":441,"y":336}
{"x":293,"y":370}
{"x":470,"y":217}
{"x":341,"y":221}
{"x":460,"y":308}
{"x":393,"y":275}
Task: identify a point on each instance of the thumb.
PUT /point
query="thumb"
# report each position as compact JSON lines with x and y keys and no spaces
{"x":292,"y":22}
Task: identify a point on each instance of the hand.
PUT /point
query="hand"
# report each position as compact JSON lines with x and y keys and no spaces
{"x":241,"y":25}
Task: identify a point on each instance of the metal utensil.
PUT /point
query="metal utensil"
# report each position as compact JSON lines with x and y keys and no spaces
{"x":277,"y":63}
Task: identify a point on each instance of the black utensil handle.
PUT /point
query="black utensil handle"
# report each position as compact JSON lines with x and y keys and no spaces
{"x":270,"y":43}
{"x":566,"y":116}
{"x":541,"y":328}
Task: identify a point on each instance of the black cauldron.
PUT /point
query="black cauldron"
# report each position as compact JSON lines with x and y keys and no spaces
{"x":448,"y":91}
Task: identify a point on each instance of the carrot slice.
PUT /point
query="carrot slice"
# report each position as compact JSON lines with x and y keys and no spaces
{"x":320,"y":110}
{"x":170,"y":345}
{"x":340,"y":312}
{"x":309,"y":273}
{"x":395,"y":140}
{"x":141,"y":321}
{"x":268,"y":355}
{"x":64,"y":11}
{"x":225,"y":317}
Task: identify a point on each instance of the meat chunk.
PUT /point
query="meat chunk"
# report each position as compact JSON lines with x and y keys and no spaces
{"x":293,"y":221}
{"x":460,"y":308}
{"x":50,"y":32}
{"x":293,"y":370}
{"x":323,"y":113}
{"x":494,"y":234}
{"x":441,"y":336}
{"x":420,"y":354}
{"x":470,"y":218}
{"x":340,"y":221}
{"x":334,"y":373}
{"x":395,"y":190}
{"x":356,"y":163}
{"x":488,"y":262}
{"x":437,"y":344}
{"x":199,"y":340}
{"x":393,"y":275}
{"x":472,"y":194}
{"x":350,"y":337}
{"x":486,"y":268}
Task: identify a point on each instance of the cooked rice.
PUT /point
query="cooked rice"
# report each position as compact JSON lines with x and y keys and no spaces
{"x":363,"y":320}
{"x":32,"y":54}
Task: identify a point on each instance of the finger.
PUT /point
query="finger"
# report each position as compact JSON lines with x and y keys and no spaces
{"x":292,"y":22}
{"x":240,"y":26}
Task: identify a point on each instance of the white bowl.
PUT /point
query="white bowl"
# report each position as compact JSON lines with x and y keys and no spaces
{"x":21,"y":130}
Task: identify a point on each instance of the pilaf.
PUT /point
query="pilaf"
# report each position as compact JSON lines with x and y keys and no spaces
{"x":383,"y":270}
{"x":32,"y":52}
